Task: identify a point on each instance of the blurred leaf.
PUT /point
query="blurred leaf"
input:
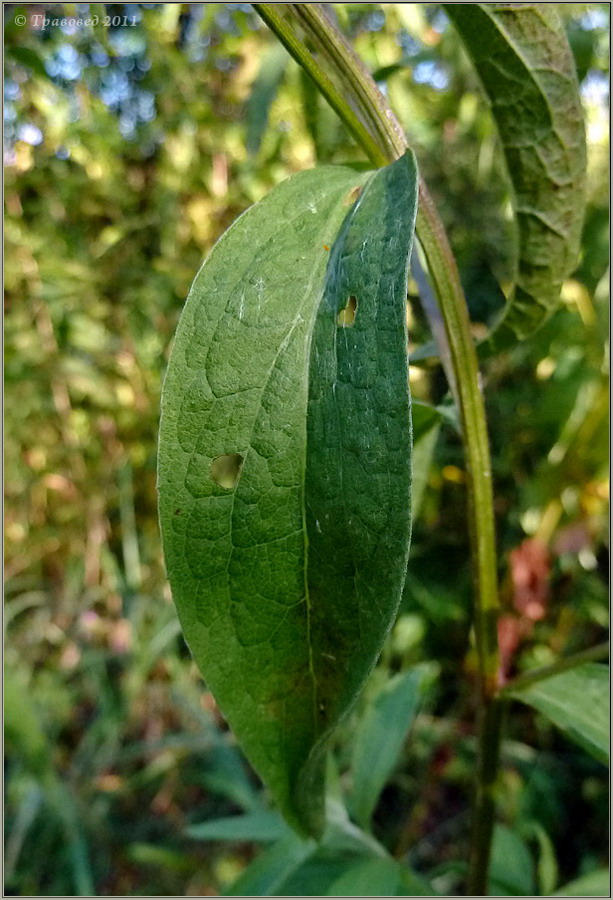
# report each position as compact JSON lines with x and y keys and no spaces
{"x":525,"y":65}
{"x":273,"y":293}
{"x":381,"y":734}
{"x":577,"y":702}
{"x":260,"y":826}
{"x":595,"y":884}
{"x":343,"y":837}
{"x":262,"y":95}
{"x":426,"y":427}
{"x":511,"y":867}
{"x":379,"y":878}
{"x":226,"y":774}
{"x":270,"y":869}
{"x":152,"y":855}
{"x":315,"y":875}
{"x":22,"y":730}
{"x":343,"y":844}
{"x":547,"y":864}
{"x":27,"y":57}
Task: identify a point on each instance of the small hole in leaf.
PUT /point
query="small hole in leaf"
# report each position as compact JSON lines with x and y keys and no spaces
{"x":226,"y":469}
{"x":353,"y":195}
{"x":346,"y":316}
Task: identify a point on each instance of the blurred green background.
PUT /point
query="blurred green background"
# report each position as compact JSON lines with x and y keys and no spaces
{"x":128,"y":151}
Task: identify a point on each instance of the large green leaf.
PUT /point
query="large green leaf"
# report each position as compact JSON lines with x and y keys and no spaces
{"x":284,"y":463}
{"x":524,"y":62}
{"x":578,"y":702}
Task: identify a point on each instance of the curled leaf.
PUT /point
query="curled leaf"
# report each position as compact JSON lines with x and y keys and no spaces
{"x":524,"y":62}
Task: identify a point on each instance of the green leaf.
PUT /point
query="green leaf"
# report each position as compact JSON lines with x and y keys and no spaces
{"x":511,"y":872}
{"x":284,"y":463}
{"x":524,"y":62}
{"x":301,"y":868}
{"x":577,"y":702}
{"x":294,"y":865}
{"x":265,"y":875}
{"x":22,"y":730}
{"x":261,"y":826}
{"x":225,"y":773}
{"x":595,"y":884}
{"x":378,"y":878}
{"x":27,"y":57}
{"x":381,"y":735}
{"x":426,"y":427}
{"x":547,"y":864}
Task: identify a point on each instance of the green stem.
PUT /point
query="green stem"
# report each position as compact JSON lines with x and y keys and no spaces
{"x":593,"y":654}
{"x":482,"y":825}
{"x":271,"y":14}
{"x":367,"y":115}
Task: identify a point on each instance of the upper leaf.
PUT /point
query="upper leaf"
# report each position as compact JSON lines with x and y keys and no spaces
{"x":284,"y":463}
{"x":524,"y":62}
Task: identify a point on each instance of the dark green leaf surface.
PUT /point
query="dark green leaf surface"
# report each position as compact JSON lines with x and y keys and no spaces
{"x":524,"y":62}
{"x":284,"y":463}
{"x":577,"y":702}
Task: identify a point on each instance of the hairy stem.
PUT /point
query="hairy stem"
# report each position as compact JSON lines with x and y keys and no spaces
{"x":343,"y":80}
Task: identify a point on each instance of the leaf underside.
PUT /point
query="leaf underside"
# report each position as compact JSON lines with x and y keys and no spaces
{"x":284,"y":463}
{"x":523,"y":59}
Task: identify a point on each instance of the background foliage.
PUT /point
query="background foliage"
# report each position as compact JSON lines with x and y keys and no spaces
{"x":128,"y":151}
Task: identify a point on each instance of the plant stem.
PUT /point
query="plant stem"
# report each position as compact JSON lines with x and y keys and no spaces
{"x":297,"y":49}
{"x":366,"y":113}
{"x":593,"y":654}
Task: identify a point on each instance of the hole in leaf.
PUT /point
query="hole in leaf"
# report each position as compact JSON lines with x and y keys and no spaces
{"x":346,"y":316}
{"x":226,"y":469}
{"x":353,"y":195}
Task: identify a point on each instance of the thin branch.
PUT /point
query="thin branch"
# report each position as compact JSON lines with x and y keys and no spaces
{"x":593,"y":654}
